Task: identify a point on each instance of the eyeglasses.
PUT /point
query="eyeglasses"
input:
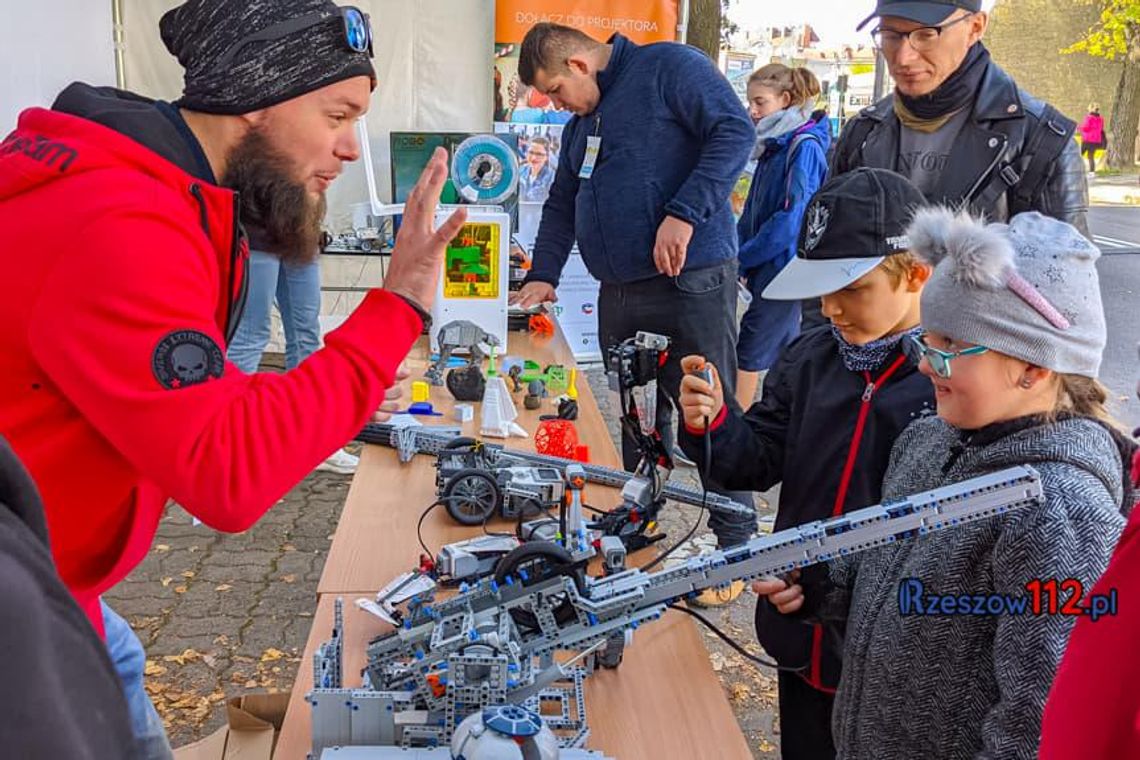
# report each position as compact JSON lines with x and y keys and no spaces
{"x":357,"y":32}
{"x":922,"y":39}
{"x":939,"y":360}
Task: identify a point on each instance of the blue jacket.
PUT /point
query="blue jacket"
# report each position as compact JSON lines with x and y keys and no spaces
{"x":770,"y":223}
{"x":674,"y":139}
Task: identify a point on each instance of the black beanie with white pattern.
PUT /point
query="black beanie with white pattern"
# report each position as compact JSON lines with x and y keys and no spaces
{"x":262,"y":73}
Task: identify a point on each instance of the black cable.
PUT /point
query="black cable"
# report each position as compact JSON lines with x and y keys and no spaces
{"x":487,"y":517}
{"x":729,"y":640}
{"x":441,"y":501}
{"x":420,"y":525}
{"x":707,"y":437}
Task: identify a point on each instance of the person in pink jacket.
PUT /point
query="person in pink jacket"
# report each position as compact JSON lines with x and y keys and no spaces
{"x":1092,"y":135}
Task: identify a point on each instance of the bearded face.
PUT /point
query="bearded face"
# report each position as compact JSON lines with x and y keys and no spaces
{"x":273,"y":199}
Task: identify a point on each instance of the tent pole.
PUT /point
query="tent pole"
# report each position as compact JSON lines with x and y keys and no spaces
{"x":683,"y":25}
{"x":119,"y":36}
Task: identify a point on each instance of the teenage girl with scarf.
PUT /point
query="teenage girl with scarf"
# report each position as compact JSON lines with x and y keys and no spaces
{"x":1014,"y":332}
{"x":791,"y":163}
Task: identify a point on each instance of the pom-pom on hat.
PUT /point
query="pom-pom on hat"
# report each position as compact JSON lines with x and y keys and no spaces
{"x":1027,"y":289}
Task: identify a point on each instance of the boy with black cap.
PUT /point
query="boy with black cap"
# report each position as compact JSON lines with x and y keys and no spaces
{"x":830,"y":410}
{"x":115,"y":390}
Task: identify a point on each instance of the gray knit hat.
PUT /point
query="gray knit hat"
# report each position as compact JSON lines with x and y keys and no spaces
{"x":244,"y":55}
{"x":1028,"y":289}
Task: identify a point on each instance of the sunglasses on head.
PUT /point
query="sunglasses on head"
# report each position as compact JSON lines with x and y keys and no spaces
{"x":357,"y":32}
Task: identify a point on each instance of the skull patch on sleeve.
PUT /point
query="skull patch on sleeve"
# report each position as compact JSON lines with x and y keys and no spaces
{"x":186,"y":357}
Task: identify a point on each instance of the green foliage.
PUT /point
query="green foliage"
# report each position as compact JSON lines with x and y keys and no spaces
{"x":1117,"y":33}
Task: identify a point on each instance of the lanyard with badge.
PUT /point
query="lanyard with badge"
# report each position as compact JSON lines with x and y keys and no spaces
{"x":593,"y":147}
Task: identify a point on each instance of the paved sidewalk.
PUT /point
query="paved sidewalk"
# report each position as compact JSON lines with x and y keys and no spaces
{"x":1115,"y":190}
{"x":221,"y":615}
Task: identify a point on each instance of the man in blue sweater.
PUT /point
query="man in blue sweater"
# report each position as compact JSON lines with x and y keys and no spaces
{"x":657,"y":140}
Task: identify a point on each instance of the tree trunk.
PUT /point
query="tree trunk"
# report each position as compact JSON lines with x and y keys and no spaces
{"x":1125,"y":120}
{"x":704,"y":26}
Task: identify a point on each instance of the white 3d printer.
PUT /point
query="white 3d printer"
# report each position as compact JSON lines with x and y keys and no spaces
{"x":476,"y":271}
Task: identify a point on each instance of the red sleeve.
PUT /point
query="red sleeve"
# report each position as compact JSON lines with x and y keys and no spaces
{"x":1093,"y":710}
{"x":229,"y":448}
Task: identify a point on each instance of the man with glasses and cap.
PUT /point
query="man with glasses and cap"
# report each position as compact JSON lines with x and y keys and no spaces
{"x":122,"y":240}
{"x":957,"y":125}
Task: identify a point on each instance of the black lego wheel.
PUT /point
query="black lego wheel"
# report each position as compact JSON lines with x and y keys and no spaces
{"x":541,"y":560}
{"x":471,"y":496}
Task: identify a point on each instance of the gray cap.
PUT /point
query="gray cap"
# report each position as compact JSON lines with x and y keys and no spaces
{"x":1027,"y":289}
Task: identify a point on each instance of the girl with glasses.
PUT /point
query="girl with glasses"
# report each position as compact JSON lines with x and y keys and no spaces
{"x":952,"y":640}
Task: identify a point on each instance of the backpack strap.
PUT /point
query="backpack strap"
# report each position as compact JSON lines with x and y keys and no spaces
{"x":1025,"y":176}
{"x":797,"y":140}
{"x":851,"y":141}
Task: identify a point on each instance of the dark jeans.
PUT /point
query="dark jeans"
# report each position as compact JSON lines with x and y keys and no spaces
{"x":697,"y":312}
{"x":805,"y":720}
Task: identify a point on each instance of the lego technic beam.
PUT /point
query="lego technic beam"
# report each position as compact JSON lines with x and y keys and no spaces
{"x":495,"y":643}
{"x":417,"y":439}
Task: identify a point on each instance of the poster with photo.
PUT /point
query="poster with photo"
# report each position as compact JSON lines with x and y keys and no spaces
{"x":539,"y":146}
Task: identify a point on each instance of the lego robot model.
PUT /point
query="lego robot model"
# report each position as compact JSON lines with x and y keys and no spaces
{"x":632,"y":369}
{"x":567,"y":538}
{"x":495,"y":644}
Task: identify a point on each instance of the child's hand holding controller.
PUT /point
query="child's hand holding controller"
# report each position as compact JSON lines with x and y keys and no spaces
{"x":784,"y":593}
{"x":702,"y":395}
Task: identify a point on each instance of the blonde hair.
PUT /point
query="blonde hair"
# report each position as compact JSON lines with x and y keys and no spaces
{"x":899,"y":265}
{"x":800,"y":84}
{"x":1083,"y":396}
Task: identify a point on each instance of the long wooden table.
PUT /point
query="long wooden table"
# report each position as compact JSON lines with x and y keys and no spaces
{"x":663,"y":702}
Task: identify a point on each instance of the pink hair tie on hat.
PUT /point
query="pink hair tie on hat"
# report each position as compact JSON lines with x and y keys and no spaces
{"x":1025,"y":290}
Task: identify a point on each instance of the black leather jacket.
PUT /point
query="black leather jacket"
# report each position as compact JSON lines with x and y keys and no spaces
{"x":1003,"y":118}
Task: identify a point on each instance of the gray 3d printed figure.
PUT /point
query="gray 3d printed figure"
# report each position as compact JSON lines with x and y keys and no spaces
{"x":459,"y":334}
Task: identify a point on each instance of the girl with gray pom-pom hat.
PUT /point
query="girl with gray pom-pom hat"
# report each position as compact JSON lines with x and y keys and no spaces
{"x":953,"y":639}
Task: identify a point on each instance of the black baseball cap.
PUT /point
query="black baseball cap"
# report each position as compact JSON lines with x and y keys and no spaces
{"x":925,"y":13}
{"x":851,"y":225}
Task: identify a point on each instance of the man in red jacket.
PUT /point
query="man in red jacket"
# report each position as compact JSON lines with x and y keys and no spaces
{"x":123,"y":257}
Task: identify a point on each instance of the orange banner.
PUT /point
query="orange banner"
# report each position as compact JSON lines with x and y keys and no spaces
{"x":640,"y":20}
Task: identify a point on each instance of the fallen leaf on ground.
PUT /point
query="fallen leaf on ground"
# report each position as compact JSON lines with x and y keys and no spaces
{"x":223,"y":587}
{"x":188,"y":655}
{"x":251,"y":684}
{"x":166,"y":582}
{"x":187,"y":573}
{"x":153,"y":669}
{"x":741,"y":692}
{"x":717,"y":660}
{"x":288,"y":548}
{"x":271,"y":654}
{"x":289,"y":578}
{"x":180,"y":589}
{"x":161,"y":548}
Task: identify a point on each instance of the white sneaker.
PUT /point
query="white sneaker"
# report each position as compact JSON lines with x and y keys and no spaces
{"x":341,"y":462}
